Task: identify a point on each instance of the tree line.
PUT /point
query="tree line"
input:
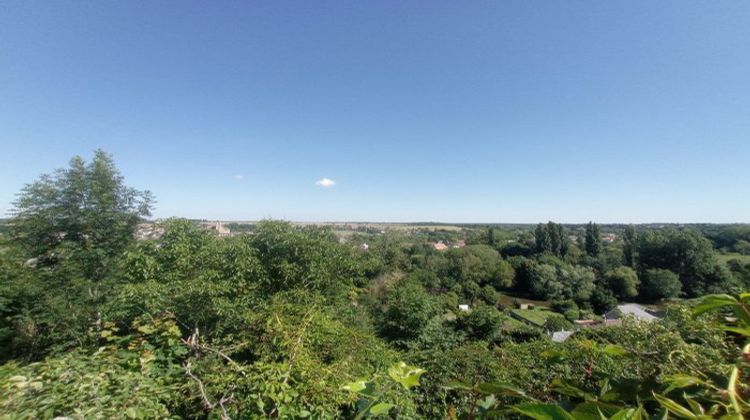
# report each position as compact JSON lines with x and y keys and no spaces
{"x":291,"y":322}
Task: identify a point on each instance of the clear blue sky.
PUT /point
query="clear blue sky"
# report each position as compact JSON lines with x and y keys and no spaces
{"x":484,"y":111}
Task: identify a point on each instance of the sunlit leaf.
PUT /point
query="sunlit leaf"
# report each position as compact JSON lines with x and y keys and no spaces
{"x":407,"y":376}
{"x":355,"y":386}
{"x":738,"y":330}
{"x":680,"y":380}
{"x":543,"y":411}
{"x":500,"y":388}
{"x":674,"y":407}
{"x":380,"y":408}
{"x":630,"y":414}
{"x":458,"y":385}
{"x":594,"y":410}
{"x":711,"y":302}
{"x":615,"y":350}
{"x":694,"y":406}
{"x":488,"y":402}
{"x":565,"y":388}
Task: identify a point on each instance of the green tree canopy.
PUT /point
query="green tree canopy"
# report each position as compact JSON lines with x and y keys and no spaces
{"x":629,"y":248}
{"x":593,"y":241}
{"x":551,"y":238}
{"x":480,"y":264}
{"x":660,"y":284}
{"x":623,"y":281}
{"x":688,"y":254}
{"x":407,"y":310}
{"x":85,"y":209}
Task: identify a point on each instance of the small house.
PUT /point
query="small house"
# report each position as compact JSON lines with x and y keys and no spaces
{"x":634,"y":310}
{"x":560,"y":336}
{"x":440,"y":246}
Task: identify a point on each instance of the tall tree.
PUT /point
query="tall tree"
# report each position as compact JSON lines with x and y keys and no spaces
{"x":564,"y":240}
{"x":555,"y":237}
{"x":630,"y":246}
{"x":551,"y":238}
{"x":86,"y":209}
{"x":491,"y":240}
{"x":542,"y":238}
{"x":593,"y":239}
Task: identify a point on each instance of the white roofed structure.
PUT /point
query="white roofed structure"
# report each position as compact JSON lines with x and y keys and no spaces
{"x":630,"y":309}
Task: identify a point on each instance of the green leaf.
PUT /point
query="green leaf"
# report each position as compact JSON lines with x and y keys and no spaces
{"x":673,"y":407}
{"x":499,"y":388}
{"x":131,"y":413}
{"x":407,"y":376}
{"x":680,"y":380}
{"x":543,"y":411}
{"x":355,"y":386}
{"x":711,"y":302}
{"x":562,"y":387}
{"x":694,"y":406}
{"x":615,"y":350}
{"x":554,"y":355}
{"x":380,"y":408}
{"x":738,"y":330}
{"x":594,"y":410}
{"x":487,"y":403}
{"x":458,"y":385}
{"x":630,"y":414}
{"x":146,"y":329}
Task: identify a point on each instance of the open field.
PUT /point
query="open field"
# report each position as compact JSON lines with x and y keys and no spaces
{"x":379,"y":226}
{"x":534,"y":316}
{"x":734,"y":256}
{"x":509,"y":301}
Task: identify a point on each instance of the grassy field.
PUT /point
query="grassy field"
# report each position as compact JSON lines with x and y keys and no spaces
{"x":511,"y":323}
{"x":734,"y":256}
{"x":509,"y":301}
{"x":534,"y":316}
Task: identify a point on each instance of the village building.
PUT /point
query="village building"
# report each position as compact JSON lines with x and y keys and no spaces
{"x":146,"y":231}
{"x":440,"y":246}
{"x":639,"y":312}
{"x":609,"y":237}
{"x":443,"y":245}
{"x":561,"y":336}
{"x":219,"y":228}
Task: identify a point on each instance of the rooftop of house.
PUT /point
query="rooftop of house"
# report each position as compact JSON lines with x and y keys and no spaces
{"x":633,"y":309}
{"x":560,"y":336}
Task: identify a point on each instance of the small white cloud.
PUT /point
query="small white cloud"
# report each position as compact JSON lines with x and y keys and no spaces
{"x":325,"y":182}
{"x":239,"y":177}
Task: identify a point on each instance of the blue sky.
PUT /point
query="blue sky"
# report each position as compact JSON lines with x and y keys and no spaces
{"x":485,"y":111}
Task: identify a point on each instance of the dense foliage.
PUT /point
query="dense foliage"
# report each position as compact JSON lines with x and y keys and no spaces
{"x":284,"y":321}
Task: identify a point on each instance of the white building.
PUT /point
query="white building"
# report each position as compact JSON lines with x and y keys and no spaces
{"x":560,"y":336}
{"x":635,"y":310}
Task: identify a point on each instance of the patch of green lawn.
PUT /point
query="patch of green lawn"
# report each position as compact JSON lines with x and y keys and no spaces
{"x":534,"y":316}
{"x":734,"y":256}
